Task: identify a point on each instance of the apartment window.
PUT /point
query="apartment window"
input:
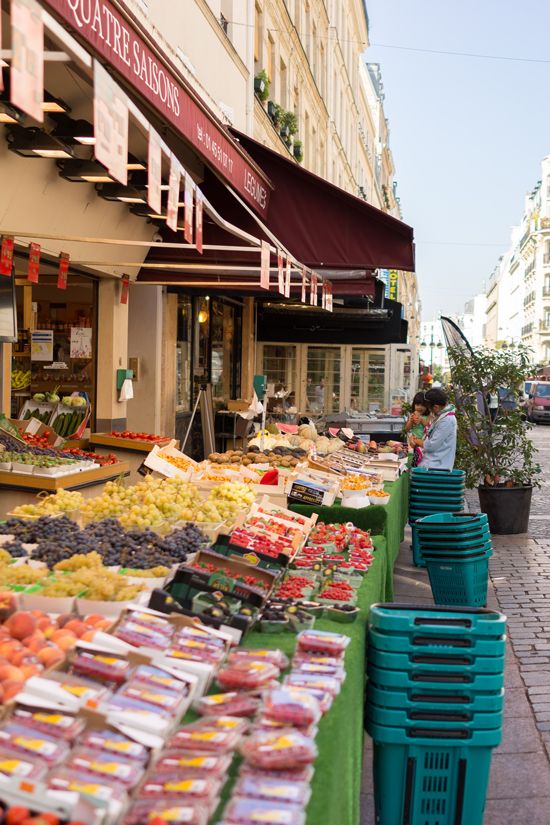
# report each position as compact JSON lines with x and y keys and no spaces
{"x":226,"y":17}
{"x":321,"y":80}
{"x":306,"y":139}
{"x":546,"y":252}
{"x":314,"y":155}
{"x":307,"y":31}
{"x":258,"y":34}
{"x":283,"y":81}
{"x":314,"y":51}
{"x":270,"y":61}
{"x":548,"y":186}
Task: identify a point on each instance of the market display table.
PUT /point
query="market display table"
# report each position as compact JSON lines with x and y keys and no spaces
{"x":336,"y":785}
{"x":131,"y":450}
{"x":72,"y":481}
{"x":388,"y":520}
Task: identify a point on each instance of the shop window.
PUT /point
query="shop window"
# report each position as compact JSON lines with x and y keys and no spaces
{"x":222,"y":364}
{"x":368,"y":371}
{"x":183,"y":354}
{"x":279,"y":365}
{"x":323,"y":380}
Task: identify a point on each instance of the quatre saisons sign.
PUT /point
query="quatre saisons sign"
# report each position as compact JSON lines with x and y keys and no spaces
{"x":102,"y":26}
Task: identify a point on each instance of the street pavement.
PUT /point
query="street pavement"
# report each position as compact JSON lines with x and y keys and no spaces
{"x":519,"y":787}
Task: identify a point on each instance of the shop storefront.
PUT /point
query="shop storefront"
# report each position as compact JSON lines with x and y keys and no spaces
{"x":56,"y":351}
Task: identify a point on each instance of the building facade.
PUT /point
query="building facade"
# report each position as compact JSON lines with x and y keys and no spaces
{"x":518,"y":296}
{"x":288,"y":73}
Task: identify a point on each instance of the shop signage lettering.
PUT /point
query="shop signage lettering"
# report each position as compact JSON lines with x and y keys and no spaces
{"x":63,"y":270}
{"x":6,"y":256}
{"x":102,"y":26}
{"x":393,"y":279}
{"x":34,"y":263}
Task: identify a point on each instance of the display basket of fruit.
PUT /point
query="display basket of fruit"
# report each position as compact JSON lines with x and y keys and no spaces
{"x":150,"y":579}
{"x":255,"y":549}
{"x":212,"y":571}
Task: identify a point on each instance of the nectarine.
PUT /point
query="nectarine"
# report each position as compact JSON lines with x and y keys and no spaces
{"x":21,"y":624}
{"x":50,"y":655}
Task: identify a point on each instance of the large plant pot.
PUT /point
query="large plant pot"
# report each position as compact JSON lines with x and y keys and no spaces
{"x":507,"y":508}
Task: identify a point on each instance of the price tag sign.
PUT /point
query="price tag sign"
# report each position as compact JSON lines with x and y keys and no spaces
{"x":173,"y":195}
{"x":198,"y":219}
{"x":27,"y":65}
{"x":154,"y":173}
{"x":306,"y":494}
{"x":63,"y":270}
{"x":287,"y":279}
{"x":313,"y":290}
{"x":188,"y":209}
{"x":34,"y":263}
{"x":6,"y":256}
{"x":280,"y":272}
{"x":264,"y":265}
{"x":124,"y":289}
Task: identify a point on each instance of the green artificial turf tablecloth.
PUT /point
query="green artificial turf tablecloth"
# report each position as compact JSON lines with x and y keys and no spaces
{"x":387,"y":520}
{"x":336,"y":785}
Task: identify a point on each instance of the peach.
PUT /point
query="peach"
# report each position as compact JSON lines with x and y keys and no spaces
{"x":43,"y":623}
{"x":35,"y":642}
{"x":76,"y":626}
{"x":88,"y":636}
{"x":66,"y":642}
{"x":50,"y":655}
{"x":38,"y":614}
{"x":10,"y":672}
{"x":31,"y":669}
{"x":12,"y":688}
{"x":94,"y":618}
{"x":21,"y":624}
{"x":23,"y":656}
{"x":8,"y":647}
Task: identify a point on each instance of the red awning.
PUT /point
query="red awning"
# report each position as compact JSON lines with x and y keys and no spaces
{"x":325,"y":227}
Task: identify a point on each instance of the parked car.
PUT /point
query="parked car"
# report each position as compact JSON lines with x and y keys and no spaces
{"x":538,"y":404}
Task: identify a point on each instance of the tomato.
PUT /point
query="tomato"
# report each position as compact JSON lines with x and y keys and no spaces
{"x":16,"y":815}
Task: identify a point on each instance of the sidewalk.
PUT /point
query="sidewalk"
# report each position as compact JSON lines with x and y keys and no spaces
{"x":519,"y":788}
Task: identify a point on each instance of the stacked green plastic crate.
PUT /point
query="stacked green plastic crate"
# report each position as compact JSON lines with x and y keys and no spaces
{"x":434,"y":708}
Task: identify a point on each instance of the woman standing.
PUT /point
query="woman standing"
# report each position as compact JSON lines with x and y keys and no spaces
{"x":439,"y":445}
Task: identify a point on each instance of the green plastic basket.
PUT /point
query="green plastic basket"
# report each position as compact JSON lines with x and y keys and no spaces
{"x":434,"y":718}
{"x":460,"y":622}
{"x":420,"y":661}
{"x":459,"y":581}
{"x":421,"y":642}
{"x":419,"y":698}
{"x":430,"y":785}
{"x":436,"y":679}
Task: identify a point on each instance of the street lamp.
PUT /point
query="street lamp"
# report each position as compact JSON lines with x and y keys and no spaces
{"x":432,"y":345}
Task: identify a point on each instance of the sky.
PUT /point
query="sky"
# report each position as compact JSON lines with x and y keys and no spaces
{"x":467,"y":134}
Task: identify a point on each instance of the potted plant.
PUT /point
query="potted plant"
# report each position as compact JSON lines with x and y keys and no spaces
{"x":275,"y":112}
{"x":290,"y":121}
{"x":493,"y":446}
{"x":261,"y":85}
{"x":298,"y":150}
